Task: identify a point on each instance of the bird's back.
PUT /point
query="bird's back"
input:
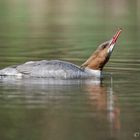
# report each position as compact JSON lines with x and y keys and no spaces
{"x":52,"y":69}
{"x":45,"y":68}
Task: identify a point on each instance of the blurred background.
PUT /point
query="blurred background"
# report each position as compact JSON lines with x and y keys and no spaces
{"x":70,"y":30}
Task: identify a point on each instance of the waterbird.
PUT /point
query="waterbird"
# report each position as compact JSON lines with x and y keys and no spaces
{"x":59,"y":69}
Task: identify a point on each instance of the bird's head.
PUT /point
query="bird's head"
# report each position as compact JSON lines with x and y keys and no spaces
{"x":101,"y":56}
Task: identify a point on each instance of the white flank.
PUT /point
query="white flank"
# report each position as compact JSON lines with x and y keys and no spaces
{"x":96,"y":73}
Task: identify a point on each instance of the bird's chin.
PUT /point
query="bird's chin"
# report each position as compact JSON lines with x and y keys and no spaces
{"x":110,"y":49}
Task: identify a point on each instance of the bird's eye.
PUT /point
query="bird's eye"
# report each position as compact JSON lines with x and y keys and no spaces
{"x":104,"y":46}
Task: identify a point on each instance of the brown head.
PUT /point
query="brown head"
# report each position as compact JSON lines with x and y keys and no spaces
{"x":101,"y":56}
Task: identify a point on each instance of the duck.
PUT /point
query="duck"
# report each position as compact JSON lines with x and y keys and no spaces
{"x":59,"y":69}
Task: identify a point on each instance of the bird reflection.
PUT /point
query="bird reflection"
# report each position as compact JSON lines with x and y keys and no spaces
{"x":102,"y":97}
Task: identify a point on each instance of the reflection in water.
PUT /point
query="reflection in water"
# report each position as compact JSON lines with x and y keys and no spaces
{"x":114,"y":110}
{"x":65,"y":104}
{"x":105,"y":101}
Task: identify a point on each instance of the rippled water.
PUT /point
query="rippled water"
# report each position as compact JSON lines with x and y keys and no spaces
{"x":41,"y":109}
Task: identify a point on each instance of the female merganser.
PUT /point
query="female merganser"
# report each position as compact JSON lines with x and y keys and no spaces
{"x":65,"y":70}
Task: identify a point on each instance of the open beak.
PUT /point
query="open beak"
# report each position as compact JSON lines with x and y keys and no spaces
{"x":113,"y":41}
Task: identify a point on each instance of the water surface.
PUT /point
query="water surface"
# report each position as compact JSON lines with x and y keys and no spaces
{"x":41,"y":109}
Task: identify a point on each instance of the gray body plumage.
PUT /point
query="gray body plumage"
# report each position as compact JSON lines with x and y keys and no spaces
{"x":47,"y":69}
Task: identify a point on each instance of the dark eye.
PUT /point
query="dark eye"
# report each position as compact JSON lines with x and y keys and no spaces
{"x":104,"y":46}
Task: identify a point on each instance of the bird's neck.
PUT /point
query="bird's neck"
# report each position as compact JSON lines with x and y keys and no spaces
{"x":95,"y":62}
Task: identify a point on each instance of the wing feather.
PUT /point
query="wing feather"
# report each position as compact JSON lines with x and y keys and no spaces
{"x":44,"y":68}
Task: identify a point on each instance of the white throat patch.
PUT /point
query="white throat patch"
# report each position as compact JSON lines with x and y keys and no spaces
{"x":111,"y":48}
